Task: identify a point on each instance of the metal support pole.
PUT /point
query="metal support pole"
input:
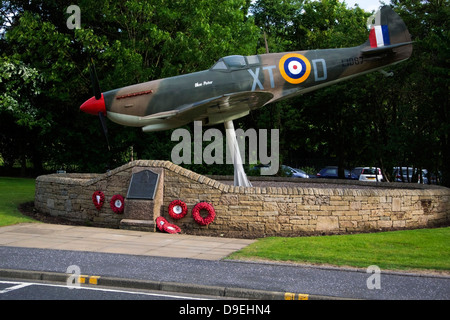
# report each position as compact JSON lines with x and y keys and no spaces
{"x":240,"y":178}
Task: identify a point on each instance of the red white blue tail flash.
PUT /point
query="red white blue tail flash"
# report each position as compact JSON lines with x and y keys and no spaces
{"x":379,"y":36}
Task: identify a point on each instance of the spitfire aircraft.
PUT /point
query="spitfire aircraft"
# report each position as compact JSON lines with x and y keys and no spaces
{"x":236,"y":85}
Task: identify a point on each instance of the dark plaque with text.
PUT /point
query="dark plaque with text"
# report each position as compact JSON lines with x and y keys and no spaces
{"x":143,"y":185}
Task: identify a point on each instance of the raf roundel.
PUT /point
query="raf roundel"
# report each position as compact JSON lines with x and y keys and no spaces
{"x":294,"y":68}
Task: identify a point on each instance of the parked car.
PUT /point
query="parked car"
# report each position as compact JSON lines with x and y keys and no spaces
{"x":408,"y":173}
{"x":300,"y":174}
{"x":332,"y":173}
{"x":293,"y":172}
{"x":356,"y":172}
{"x":434,"y":178}
{"x":425,"y":176}
{"x":370,"y":174}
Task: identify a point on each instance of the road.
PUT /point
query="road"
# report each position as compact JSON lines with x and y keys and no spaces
{"x":319,"y":281}
{"x":27,"y":290}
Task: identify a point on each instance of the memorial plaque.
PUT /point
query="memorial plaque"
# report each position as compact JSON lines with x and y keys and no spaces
{"x":143,"y":185}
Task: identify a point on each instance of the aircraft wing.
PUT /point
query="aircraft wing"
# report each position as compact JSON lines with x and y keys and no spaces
{"x":160,"y":115}
{"x":222,"y":108}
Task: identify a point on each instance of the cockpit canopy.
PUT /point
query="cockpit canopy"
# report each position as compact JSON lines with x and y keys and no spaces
{"x":235,"y":62}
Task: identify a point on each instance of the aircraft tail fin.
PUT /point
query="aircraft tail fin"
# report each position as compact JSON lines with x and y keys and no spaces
{"x":387,"y":32}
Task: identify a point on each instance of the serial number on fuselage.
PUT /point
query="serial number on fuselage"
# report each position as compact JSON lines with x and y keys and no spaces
{"x":352,"y":61}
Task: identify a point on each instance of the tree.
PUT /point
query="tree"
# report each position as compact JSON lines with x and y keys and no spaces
{"x":276,"y":21}
{"x":20,"y":118}
{"x":424,"y":89}
{"x":130,"y":42}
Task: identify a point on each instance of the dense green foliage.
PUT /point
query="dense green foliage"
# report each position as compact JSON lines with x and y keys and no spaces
{"x":372,"y":120}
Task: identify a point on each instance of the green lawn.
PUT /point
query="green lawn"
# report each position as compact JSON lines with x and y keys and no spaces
{"x":409,"y":249}
{"x":13,"y":192}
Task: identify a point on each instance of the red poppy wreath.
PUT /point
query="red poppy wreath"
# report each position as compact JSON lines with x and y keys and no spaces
{"x":177,"y":209}
{"x":198,"y":218}
{"x":160,"y":222}
{"x":163,"y":225}
{"x":99,"y":199}
{"x":171,"y":228}
{"x":117,"y":203}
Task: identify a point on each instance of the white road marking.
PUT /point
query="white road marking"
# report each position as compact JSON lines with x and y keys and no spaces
{"x":19,"y":286}
{"x":26,"y":284}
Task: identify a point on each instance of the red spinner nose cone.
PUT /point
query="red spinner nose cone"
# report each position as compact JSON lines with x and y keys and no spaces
{"x":94,"y":106}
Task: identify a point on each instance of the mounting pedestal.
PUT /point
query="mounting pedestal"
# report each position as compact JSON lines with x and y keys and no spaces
{"x":240,"y":178}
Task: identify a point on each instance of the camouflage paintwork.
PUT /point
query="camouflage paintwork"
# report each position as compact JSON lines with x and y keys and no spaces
{"x":235,"y":85}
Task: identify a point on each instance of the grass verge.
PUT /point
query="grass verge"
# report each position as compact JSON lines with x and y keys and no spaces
{"x":13,"y":192}
{"x":401,"y":250}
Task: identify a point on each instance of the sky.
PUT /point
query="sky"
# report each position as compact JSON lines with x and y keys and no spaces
{"x":367,"y":5}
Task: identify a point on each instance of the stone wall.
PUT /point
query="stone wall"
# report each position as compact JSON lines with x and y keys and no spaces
{"x":308,"y":206}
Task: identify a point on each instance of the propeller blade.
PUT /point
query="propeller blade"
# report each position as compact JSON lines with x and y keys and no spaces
{"x":104,"y":127}
{"x":98,"y":105}
{"x":94,"y":80}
